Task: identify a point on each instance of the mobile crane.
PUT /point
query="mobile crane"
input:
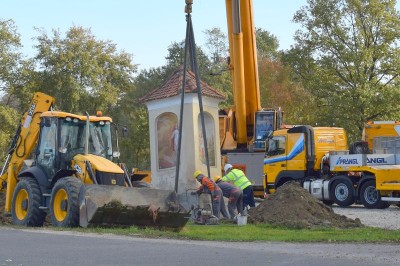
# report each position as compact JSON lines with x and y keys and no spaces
{"x":246,"y":126}
{"x":72,"y":177}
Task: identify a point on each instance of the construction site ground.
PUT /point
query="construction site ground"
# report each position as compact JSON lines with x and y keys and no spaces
{"x":293,"y":206}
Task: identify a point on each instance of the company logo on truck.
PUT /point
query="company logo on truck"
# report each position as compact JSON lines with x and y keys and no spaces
{"x":325,"y":140}
{"x":31,"y":112}
{"x":346,"y":161}
{"x":376,"y":160}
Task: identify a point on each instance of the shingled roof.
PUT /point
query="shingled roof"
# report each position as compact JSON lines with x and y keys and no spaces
{"x":173,"y":85}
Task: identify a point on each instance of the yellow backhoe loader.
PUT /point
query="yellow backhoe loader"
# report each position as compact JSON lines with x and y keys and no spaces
{"x":72,"y":176}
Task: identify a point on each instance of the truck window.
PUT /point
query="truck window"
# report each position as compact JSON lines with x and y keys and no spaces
{"x":276,"y":146}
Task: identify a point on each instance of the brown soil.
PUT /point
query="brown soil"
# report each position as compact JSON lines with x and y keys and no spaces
{"x":292,"y":206}
{"x":3,"y":219}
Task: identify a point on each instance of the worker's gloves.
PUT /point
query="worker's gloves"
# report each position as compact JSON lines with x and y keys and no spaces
{"x":193,"y":193}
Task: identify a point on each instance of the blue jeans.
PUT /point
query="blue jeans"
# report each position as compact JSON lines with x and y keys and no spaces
{"x":248,"y":197}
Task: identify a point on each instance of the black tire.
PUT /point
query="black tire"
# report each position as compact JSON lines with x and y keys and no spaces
{"x":140,"y":184}
{"x":328,"y":202}
{"x":370,"y":197}
{"x":26,"y":201}
{"x":341,"y":192}
{"x":64,"y":202}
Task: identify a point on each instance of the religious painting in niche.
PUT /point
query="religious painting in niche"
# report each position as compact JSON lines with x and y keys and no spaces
{"x":210,"y":134}
{"x":167,"y":140}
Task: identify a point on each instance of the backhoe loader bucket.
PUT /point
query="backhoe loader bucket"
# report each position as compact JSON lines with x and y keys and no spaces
{"x":125,"y":206}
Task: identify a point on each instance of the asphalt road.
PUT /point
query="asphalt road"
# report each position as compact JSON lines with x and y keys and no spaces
{"x":46,"y":247}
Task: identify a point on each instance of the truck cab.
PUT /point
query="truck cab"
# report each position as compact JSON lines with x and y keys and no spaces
{"x":300,"y":152}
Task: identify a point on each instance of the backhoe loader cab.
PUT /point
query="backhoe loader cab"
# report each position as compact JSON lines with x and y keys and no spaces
{"x":63,"y":135}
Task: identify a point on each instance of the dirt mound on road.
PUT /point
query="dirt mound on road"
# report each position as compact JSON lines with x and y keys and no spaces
{"x":292,"y":206}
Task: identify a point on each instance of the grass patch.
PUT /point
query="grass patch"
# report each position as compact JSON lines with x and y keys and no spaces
{"x":260,"y":232}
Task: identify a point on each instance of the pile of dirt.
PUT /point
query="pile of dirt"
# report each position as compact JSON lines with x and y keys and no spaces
{"x":293,"y":206}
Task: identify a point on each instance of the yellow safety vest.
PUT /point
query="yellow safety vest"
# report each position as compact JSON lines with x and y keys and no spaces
{"x":238,"y":178}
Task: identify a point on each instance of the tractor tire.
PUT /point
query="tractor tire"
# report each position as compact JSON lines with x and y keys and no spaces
{"x":341,"y":192}
{"x":26,"y":201}
{"x":64,"y":202}
{"x":370,"y":197}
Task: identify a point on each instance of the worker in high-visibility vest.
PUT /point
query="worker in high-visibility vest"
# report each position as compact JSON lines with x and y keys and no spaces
{"x":239,"y":179}
{"x":209,"y":186}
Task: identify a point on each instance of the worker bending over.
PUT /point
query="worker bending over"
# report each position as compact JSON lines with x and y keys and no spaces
{"x":209,"y":186}
{"x":239,"y":179}
{"x":234,"y":195}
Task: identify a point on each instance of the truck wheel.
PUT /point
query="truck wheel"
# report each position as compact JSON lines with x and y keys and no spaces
{"x":64,"y":203}
{"x":328,"y":202}
{"x":26,"y":202}
{"x":370,"y":197}
{"x":342,"y":192}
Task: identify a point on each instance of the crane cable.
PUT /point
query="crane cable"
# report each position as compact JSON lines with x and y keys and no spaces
{"x":191,"y":46}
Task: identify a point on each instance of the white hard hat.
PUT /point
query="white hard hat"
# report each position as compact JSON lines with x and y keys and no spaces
{"x":227,"y":167}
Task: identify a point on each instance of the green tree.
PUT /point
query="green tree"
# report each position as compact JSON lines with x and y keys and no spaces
{"x":267,"y":44}
{"x":175,"y":60}
{"x":216,"y":44}
{"x":8,"y":121}
{"x":12,"y":81}
{"x":347,"y":56}
{"x":218,"y":54}
{"x":13,"y":68}
{"x":81,"y":72}
{"x":279,"y":89}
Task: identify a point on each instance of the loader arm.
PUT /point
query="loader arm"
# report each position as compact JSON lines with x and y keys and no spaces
{"x":24,"y":141}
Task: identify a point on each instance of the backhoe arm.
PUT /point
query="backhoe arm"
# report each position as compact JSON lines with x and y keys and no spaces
{"x":24,"y":141}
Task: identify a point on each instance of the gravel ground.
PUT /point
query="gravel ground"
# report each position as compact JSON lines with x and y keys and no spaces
{"x":387,"y":218}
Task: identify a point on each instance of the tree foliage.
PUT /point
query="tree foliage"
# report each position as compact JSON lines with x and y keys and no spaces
{"x":87,"y":74}
{"x":216,"y":44}
{"x":347,"y":56}
{"x":267,"y":44}
{"x":14,"y":70}
{"x":278,"y":89}
{"x":81,"y":72}
{"x":8,"y":121}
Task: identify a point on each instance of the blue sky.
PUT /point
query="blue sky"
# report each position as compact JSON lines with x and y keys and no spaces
{"x":142,"y":28}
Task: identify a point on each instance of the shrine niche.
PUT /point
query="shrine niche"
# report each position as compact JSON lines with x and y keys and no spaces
{"x":167,"y":140}
{"x":210,"y":139}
